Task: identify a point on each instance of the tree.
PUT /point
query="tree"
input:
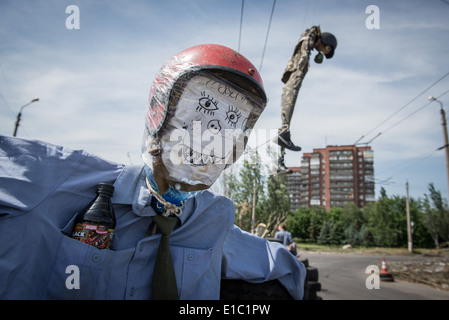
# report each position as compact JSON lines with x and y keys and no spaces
{"x":324,"y":237}
{"x":259,"y":189}
{"x":420,"y":235}
{"x":317,"y":218}
{"x":250,"y":188}
{"x":356,"y":237}
{"x":246,"y":188}
{"x":351,"y":215}
{"x":387,"y":220}
{"x":331,"y":232}
{"x":436,"y":215}
{"x":275,"y":206}
{"x":298,"y":223}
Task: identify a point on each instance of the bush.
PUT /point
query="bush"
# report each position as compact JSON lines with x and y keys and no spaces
{"x":380,"y":223}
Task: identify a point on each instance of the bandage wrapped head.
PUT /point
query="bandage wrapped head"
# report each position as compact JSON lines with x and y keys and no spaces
{"x":202,"y":106}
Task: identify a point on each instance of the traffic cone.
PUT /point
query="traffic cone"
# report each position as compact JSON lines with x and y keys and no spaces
{"x":384,"y":274}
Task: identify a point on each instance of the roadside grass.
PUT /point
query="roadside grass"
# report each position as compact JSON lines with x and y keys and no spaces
{"x":314,"y":247}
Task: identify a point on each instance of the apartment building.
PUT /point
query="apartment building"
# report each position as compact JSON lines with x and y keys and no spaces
{"x":293,"y":184}
{"x":335,"y":175}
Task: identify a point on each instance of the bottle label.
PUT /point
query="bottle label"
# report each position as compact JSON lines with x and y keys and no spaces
{"x":98,"y":236}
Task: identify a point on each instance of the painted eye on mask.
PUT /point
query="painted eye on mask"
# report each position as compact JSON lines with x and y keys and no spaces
{"x":207,"y":105}
{"x":233,"y":115}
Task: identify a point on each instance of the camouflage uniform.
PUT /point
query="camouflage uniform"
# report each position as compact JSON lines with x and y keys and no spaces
{"x":295,"y":72}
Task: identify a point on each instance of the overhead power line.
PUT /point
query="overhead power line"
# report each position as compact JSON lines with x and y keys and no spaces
{"x":411,"y":114}
{"x":241,"y":22}
{"x":400,"y":109}
{"x":402,"y":167}
{"x":266,"y":37}
{"x":403,"y":119}
{"x":400,"y":121}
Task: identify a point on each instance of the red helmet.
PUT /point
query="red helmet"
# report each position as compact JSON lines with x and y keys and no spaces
{"x":217,"y":59}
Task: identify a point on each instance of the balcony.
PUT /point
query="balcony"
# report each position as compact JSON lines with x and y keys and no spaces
{"x":341,"y":178}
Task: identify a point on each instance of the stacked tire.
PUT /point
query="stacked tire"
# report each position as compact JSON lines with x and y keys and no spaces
{"x":311,"y":284}
{"x":270,"y":290}
{"x":242,"y":290}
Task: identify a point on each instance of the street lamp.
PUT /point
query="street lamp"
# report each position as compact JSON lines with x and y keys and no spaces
{"x":20,"y":115}
{"x":446,"y":144}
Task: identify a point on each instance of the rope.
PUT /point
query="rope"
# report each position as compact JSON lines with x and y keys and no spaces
{"x":241,"y":20}
{"x":170,"y":208}
{"x":266,"y":38}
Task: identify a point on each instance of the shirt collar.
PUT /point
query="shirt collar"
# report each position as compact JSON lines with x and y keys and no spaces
{"x":126,"y":184}
{"x":131,"y":189}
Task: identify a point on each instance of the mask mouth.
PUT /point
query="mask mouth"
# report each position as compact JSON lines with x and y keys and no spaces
{"x":199,"y":159}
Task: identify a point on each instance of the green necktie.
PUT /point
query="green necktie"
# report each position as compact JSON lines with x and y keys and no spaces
{"x":164,"y":280}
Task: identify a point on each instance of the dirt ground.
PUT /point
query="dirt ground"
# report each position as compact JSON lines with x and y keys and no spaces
{"x":432,"y":270}
{"x":434,"y":273}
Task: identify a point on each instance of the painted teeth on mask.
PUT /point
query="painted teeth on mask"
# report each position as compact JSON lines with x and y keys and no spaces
{"x":199,"y":159}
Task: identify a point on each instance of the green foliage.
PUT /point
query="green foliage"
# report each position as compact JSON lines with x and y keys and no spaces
{"x":379,"y":223}
{"x":331,"y":232}
{"x":275,"y":206}
{"x":436,"y":216}
{"x":256,"y":184}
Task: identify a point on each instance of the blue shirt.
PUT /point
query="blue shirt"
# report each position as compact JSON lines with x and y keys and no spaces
{"x":284,"y":236}
{"x":43,"y":187}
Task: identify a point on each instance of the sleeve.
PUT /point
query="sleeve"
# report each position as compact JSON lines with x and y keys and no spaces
{"x":254,"y":259}
{"x":30,"y":171}
{"x":301,"y":55}
{"x":289,"y":239}
{"x":310,"y":40}
{"x":306,"y":47}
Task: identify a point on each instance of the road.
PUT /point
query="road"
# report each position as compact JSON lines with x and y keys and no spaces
{"x":342,"y":277}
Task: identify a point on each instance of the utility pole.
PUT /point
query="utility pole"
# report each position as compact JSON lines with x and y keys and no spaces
{"x":253,"y":215}
{"x":409,"y":226}
{"x":446,"y":143}
{"x":19,"y":115}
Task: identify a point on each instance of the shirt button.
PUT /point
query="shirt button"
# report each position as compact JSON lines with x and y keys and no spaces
{"x":96,"y":258}
{"x":141,"y":247}
{"x":190,"y":257}
{"x":131,"y":291}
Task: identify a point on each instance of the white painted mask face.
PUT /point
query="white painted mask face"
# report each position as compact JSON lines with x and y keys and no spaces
{"x":207,"y":130}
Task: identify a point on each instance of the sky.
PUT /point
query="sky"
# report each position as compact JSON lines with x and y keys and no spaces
{"x":93,"y":81}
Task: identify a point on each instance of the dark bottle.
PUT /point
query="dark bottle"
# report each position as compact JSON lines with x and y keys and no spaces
{"x":95,"y":225}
